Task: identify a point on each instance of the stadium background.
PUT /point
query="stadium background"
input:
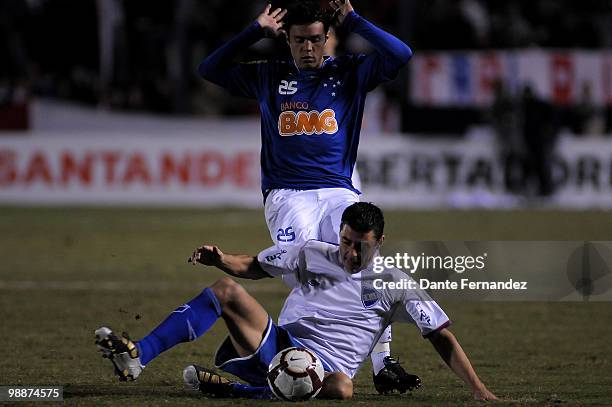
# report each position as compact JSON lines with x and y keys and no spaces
{"x":116,"y":161}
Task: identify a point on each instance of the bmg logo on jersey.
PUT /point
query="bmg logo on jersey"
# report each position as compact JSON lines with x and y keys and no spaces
{"x":291,"y":123}
{"x":287,"y":88}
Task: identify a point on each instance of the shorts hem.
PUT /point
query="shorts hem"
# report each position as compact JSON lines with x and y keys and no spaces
{"x":263,"y":341}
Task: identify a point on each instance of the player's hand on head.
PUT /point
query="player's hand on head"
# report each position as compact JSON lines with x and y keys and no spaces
{"x":271,"y":20}
{"x":341,"y":8}
{"x":206,"y":255}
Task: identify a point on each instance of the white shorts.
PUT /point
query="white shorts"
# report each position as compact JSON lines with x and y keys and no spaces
{"x":293,"y":216}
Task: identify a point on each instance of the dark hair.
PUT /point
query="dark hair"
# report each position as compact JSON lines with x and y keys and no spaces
{"x":363,"y":217}
{"x":305,"y":13}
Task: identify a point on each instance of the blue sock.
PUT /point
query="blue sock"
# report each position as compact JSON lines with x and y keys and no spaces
{"x":186,"y":323}
{"x":252,"y":392}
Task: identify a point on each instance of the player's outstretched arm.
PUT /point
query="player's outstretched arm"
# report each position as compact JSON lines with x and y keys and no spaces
{"x":394,"y":52}
{"x":241,"y":265}
{"x":451,"y":352}
{"x":220,"y":68}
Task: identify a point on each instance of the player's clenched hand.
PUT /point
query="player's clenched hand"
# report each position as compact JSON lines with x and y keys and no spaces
{"x":341,"y":9}
{"x":271,"y":21}
{"x":206,"y":255}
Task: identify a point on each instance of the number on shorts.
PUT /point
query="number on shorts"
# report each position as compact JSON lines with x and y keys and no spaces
{"x":285,"y":235}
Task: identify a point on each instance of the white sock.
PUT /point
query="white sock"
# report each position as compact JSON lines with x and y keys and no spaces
{"x":380,"y":351}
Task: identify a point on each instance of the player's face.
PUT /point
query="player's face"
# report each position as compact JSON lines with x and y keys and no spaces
{"x":307,"y":43}
{"x":357,"y":249}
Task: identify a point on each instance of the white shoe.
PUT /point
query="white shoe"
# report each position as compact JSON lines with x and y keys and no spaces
{"x":207,"y":381}
{"x":122,"y":352}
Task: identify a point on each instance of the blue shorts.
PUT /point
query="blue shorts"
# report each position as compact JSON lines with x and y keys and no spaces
{"x":253,"y":369}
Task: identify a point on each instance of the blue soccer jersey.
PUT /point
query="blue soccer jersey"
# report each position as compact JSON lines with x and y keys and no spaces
{"x":310,"y":119}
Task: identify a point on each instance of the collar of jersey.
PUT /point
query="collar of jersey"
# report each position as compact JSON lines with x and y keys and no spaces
{"x":317,"y":71}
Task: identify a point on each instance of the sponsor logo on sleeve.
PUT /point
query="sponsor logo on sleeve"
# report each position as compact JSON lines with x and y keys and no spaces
{"x":423,"y":316}
{"x":275,"y":256}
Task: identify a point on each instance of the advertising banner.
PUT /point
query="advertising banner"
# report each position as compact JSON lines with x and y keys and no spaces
{"x":191,"y":170}
{"x":466,"y":79}
{"x":130,"y":170}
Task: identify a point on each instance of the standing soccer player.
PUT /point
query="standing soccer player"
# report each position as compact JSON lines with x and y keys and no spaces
{"x":311,"y":112}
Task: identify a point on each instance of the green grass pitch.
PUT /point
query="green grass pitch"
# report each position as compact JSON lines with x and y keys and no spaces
{"x":64,"y":272}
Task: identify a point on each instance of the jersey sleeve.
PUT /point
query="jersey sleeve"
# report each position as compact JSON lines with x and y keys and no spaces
{"x":278,"y":261}
{"x":417,"y":307}
{"x":426,"y":315}
{"x":390,"y":55}
{"x":240,"y":79}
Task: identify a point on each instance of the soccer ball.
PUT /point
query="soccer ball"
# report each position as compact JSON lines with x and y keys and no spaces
{"x":295,"y":374}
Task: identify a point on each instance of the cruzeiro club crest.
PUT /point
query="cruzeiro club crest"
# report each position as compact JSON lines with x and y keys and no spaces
{"x":369,"y":295}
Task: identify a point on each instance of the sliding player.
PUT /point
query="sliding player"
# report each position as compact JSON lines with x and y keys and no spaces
{"x":311,"y":112}
{"x":328,"y":311}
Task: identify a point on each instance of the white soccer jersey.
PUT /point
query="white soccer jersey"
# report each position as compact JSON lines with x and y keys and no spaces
{"x":339,"y":315}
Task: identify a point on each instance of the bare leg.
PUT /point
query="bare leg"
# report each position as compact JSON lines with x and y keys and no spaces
{"x":245,"y":318}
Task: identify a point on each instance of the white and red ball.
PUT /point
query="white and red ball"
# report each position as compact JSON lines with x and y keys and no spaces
{"x":295,"y":374}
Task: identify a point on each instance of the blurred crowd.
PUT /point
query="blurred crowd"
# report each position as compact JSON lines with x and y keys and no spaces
{"x":136,"y":54}
{"x":481,"y":24}
{"x":142,"y":55}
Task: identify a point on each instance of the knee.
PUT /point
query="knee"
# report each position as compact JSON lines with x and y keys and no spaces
{"x":337,"y":386}
{"x":227,"y":290}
